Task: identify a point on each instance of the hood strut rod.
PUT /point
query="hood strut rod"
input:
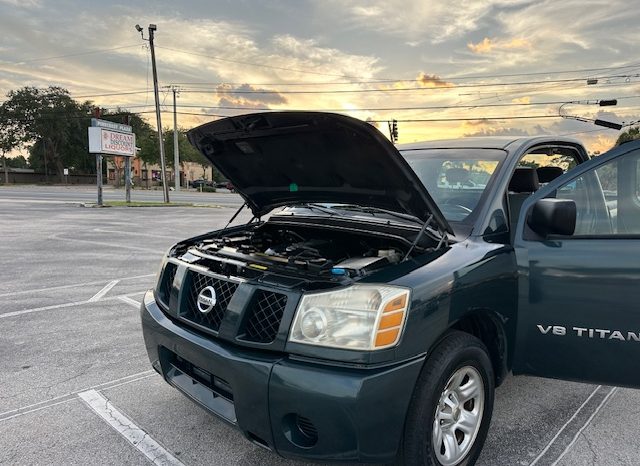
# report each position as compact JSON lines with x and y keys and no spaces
{"x":235,"y":215}
{"x":415,"y":242}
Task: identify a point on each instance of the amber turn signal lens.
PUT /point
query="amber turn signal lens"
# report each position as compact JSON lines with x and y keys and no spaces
{"x":396,"y":304}
{"x":391,"y":320}
{"x":387,"y":337}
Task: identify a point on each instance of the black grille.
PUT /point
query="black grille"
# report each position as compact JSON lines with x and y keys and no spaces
{"x":263,"y":325}
{"x":224,"y":292}
{"x":307,"y":428}
{"x":166,"y":282}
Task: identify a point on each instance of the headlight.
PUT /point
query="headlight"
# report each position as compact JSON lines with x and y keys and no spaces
{"x":163,"y":262}
{"x":360,"y":317}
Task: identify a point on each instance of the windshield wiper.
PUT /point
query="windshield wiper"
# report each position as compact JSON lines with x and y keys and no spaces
{"x":440,"y":236}
{"x":377,"y":210}
{"x":317,"y":207}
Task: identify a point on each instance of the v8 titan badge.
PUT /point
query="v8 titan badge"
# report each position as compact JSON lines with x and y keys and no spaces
{"x":206,"y":299}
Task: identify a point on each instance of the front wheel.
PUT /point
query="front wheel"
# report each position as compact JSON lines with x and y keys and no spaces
{"x":450,"y":411}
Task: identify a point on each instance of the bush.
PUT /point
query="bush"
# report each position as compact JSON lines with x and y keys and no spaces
{"x":207,"y":189}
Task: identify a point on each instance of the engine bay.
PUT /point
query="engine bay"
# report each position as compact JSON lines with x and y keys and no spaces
{"x":319,"y":251}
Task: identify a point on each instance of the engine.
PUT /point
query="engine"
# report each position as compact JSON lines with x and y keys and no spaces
{"x":302,"y":250}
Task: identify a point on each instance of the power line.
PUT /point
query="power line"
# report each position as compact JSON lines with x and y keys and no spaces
{"x":72,"y":96}
{"x":373,"y":90}
{"x":77,"y":54}
{"x":383,"y":109}
{"x":389,"y":80}
{"x":395,"y":89}
{"x":282,"y":68}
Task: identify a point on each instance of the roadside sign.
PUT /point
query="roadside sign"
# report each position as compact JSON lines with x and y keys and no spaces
{"x":109,"y":138}
{"x":105,"y":141}
{"x":66,"y":171}
{"x":111,"y":125}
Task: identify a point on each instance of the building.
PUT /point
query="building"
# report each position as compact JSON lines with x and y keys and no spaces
{"x":149,"y":175}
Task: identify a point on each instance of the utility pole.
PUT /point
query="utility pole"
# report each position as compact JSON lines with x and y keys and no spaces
{"x":163,"y":166}
{"x":176,"y":149}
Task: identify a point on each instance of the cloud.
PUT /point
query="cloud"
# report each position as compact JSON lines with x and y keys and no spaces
{"x":325,"y":63}
{"x":248,"y":96}
{"x":479,"y":122}
{"x":488,"y":45}
{"x":522,"y":100}
{"x":414,"y":20}
{"x":432,"y":80}
{"x":498,"y":132}
{"x":22,"y":3}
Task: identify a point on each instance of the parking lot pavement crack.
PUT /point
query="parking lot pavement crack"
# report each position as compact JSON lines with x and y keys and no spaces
{"x":136,"y":436}
{"x":82,"y":372}
{"x":72,"y":395}
{"x":594,"y":454}
{"x":586,"y":424}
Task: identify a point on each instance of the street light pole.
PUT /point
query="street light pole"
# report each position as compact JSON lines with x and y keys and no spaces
{"x":176,"y":149}
{"x":163,"y":166}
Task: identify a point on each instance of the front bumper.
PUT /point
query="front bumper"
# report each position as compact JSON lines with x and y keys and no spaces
{"x":356,"y":414}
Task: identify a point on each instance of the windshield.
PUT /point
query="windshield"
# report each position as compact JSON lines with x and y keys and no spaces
{"x":456,"y":178}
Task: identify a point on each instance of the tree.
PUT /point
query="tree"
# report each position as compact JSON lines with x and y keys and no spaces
{"x":8,"y":140}
{"x":188,"y":153}
{"x":52,"y":122}
{"x":629,"y":135}
{"x":17,"y":162}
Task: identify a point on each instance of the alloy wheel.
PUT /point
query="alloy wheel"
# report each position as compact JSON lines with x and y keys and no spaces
{"x":458,"y":416}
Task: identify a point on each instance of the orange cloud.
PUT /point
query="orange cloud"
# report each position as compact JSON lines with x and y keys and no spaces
{"x":522,"y":100}
{"x":488,"y":45}
{"x":601,"y":143}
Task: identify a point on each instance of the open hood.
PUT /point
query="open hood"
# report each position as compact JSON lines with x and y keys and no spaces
{"x":281,"y":158}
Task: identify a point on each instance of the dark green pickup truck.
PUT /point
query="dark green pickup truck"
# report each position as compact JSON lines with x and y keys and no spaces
{"x":379,"y":294}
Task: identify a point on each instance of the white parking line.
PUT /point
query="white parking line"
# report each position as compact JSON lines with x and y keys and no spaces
{"x":100,"y":294}
{"x":128,"y":300}
{"x":586,"y":424}
{"x":62,"y":306}
{"x":22,"y":413}
{"x":555,"y":437}
{"x":74,"y":285}
{"x":125,"y":427}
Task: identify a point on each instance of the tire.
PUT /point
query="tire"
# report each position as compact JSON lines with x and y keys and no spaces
{"x":457,"y":368}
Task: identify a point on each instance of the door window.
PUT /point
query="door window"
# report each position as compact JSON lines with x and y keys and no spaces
{"x":607,"y":198}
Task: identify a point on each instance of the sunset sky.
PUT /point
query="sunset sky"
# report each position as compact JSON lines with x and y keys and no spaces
{"x":375,"y":59}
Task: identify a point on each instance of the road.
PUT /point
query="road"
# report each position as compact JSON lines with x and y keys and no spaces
{"x":89,"y":194}
{"x":73,"y":356}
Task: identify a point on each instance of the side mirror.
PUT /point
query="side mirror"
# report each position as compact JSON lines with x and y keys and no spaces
{"x":553,"y":217}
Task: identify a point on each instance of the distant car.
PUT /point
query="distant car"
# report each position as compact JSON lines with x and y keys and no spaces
{"x":229,"y":186}
{"x":221,"y":184}
{"x":200,"y":182}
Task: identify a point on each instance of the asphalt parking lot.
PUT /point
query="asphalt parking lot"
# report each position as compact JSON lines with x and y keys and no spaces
{"x":71,"y":350}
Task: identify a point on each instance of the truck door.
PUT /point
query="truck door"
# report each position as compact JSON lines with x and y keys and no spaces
{"x":579,"y":288}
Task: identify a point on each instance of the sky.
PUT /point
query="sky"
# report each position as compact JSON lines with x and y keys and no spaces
{"x":475,"y":68}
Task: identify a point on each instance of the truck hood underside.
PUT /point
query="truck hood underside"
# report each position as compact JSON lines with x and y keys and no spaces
{"x":284,"y":158}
